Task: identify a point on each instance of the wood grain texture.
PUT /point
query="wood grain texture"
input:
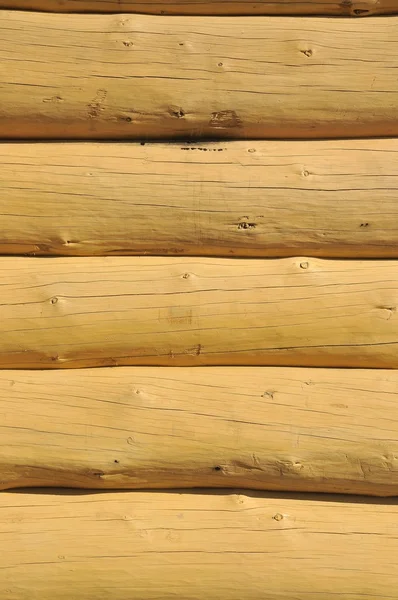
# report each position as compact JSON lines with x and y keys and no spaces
{"x":108,"y":311}
{"x":356,"y":8}
{"x":146,"y":546}
{"x":317,"y":430}
{"x":140,"y":76}
{"x":255,"y":199}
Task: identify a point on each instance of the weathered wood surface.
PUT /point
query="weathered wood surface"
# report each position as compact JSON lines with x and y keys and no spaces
{"x":274,"y":198}
{"x":145,"y":546}
{"x":107,"y":311}
{"x":356,"y":8}
{"x":140,"y":76}
{"x":324,"y":430}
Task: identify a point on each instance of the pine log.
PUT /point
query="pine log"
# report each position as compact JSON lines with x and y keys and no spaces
{"x":146,"y":546}
{"x":256,"y":199}
{"x":108,"y":311}
{"x":317,"y":430}
{"x":140,"y":76}
{"x":355,"y":8}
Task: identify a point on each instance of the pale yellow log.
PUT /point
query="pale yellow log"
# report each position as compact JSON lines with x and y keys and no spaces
{"x":318,"y":430}
{"x":140,"y":76}
{"x":106,"y":311}
{"x":146,"y":546}
{"x":212,"y":7}
{"x":278,"y":198}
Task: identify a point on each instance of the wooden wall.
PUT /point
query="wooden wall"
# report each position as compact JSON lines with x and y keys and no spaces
{"x":198,"y":300}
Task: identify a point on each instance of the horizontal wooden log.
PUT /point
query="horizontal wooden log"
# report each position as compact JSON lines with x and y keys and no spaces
{"x":107,"y":311}
{"x":140,"y":76}
{"x":318,"y":430}
{"x":356,"y":8}
{"x":333,"y":198}
{"x":145,"y":546}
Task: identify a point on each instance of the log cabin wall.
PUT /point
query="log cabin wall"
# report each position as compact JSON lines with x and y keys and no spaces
{"x":198,"y":299}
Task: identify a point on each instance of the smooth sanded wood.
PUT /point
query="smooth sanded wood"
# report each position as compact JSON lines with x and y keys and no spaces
{"x":108,"y":311}
{"x":140,"y":76}
{"x":318,"y":430}
{"x":149,"y":545}
{"x":273,"y":198}
{"x":212,"y":7}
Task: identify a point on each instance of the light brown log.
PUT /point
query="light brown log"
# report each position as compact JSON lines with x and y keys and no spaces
{"x":333,"y":198}
{"x":146,"y":546}
{"x":317,"y":430}
{"x":107,"y":311}
{"x":355,"y":8}
{"x":139,"y":76}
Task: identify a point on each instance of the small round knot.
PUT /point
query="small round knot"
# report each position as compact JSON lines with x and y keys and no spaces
{"x":304,"y":265}
{"x":54,"y":300}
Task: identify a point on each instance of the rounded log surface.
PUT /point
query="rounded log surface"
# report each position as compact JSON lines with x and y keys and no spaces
{"x":355,"y":8}
{"x":146,"y":546}
{"x":139,"y":76}
{"x":108,"y":311}
{"x":254,"y":199}
{"x":325,"y":430}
